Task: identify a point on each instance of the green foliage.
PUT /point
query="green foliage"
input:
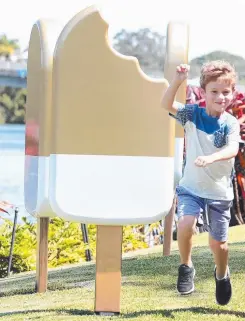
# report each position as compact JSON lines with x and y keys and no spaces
{"x":133,"y":241}
{"x":12,"y":105}
{"x":24,"y":249}
{"x":7,"y":46}
{"x":66,"y":244}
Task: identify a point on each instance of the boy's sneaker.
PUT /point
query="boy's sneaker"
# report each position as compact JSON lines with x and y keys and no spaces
{"x":185,"y":284}
{"x":223,"y":289}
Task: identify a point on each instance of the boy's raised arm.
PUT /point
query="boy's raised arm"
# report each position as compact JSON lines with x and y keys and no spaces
{"x":168,"y":99}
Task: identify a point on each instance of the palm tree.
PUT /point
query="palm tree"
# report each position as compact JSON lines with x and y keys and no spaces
{"x":7,"y":46}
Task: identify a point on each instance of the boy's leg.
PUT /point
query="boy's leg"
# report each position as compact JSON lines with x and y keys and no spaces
{"x":219,"y":212}
{"x":186,"y":229}
{"x":220,"y":253}
{"x":189,"y":208}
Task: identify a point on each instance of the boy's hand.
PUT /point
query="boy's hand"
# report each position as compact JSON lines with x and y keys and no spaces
{"x":203,"y":161}
{"x":182,"y":73}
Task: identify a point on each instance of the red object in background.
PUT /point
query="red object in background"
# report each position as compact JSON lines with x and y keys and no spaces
{"x":31,"y":138}
{"x":4,"y":206}
{"x":194,"y":96}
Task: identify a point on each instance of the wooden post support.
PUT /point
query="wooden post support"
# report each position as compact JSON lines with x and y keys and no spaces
{"x":42,"y":254}
{"x":108,"y":269}
{"x":168,"y":230}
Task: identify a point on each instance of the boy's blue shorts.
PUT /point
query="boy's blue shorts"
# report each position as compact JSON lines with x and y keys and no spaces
{"x":218,"y":212}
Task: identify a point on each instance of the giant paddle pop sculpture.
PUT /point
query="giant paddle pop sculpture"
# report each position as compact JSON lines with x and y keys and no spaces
{"x":111,"y":157}
{"x":42,"y":42}
{"x":176,"y":53}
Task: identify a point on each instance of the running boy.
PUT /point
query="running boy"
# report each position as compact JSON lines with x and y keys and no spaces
{"x":212,"y":141}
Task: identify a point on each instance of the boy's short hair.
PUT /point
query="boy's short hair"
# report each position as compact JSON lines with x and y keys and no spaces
{"x":218,"y":69}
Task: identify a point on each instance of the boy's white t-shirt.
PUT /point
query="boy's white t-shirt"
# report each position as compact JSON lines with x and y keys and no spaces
{"x":205,"y":135}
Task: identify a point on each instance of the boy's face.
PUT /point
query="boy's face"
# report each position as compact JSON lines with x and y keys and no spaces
{"x":218,"y":95}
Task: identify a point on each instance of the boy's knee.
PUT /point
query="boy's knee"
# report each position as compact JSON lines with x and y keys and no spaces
{"x":187,"y":223}
{"x":218,"y":245}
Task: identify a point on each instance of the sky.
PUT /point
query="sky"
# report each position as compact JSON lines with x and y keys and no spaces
{"x":214,"y":24}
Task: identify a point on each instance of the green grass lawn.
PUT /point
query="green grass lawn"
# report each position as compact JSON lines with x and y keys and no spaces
{"x":148,"y":288}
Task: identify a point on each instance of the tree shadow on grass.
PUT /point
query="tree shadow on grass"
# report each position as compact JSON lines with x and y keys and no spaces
{"x":57,"y":312}
{"x":168,"y":313}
